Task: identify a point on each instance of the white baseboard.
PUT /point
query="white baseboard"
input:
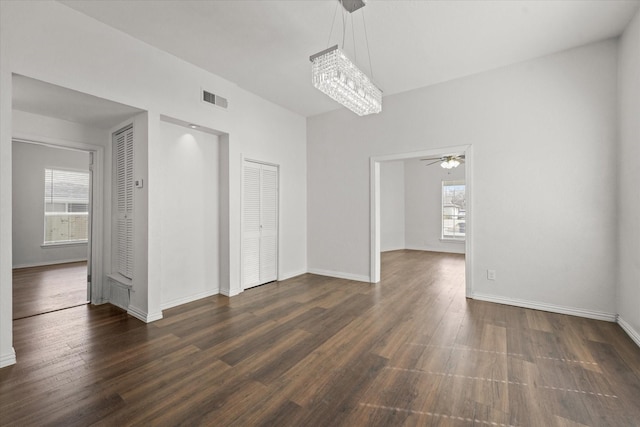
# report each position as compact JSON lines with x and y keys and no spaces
{"x":633,"y":334}
{"x":289,"y":275}
{"x":188,"y":299}
{"x":143,"y":315}
{"x":340,"y":275}
{"x":456,"y":248}
{"x":573,"y":311}
{"x":43,"y":263}
{"x":392,"y":248}
{"x":8,"y":359}
{"x":230,"y":292}
{"x":152,"y":317}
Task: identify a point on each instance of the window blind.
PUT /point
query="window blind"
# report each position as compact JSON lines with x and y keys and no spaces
{"x":66,"y":206}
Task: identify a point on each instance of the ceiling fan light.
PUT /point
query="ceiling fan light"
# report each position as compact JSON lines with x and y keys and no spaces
{"x":454,"y":163}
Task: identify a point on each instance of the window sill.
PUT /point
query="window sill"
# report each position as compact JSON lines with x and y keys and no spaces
{"x":62,"y":244}
{"x":452,"y":240}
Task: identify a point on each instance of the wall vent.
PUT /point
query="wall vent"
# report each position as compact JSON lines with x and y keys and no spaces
{"x":119,"y":294}
{"x":214,"y":99}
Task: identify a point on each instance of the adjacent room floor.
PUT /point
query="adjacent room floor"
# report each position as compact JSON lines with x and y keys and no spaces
{"x":38,"y":290}
{"x":318,"y":351}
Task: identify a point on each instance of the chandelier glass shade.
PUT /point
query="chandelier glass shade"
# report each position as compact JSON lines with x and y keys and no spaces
{"x":339,"y":78}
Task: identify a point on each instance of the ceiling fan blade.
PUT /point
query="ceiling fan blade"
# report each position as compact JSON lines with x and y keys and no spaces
{"x":433,"y":163}
{"x":433,"y":158}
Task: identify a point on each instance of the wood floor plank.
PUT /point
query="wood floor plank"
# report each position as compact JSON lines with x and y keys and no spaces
{"x":319,"y":351}
{"x":48,"y":288}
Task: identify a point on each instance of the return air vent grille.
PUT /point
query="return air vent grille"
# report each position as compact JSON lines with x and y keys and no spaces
{"x":214,"y":99}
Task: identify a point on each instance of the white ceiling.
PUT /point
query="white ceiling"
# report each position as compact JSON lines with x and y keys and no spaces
{"x":38,"y":97}
{"x":264,"y":46}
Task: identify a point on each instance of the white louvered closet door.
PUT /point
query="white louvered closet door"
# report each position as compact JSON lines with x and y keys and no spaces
{"x":124,"y":202}
{"x":259,"y":224}
{"x":268,"y":224}
{"x":251,"y":225}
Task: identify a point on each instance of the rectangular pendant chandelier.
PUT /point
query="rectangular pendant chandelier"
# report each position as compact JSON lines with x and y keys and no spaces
{"x":339,"y":78}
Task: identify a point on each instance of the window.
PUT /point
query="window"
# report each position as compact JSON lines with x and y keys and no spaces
{"x":454,"y":205}
{"x":66,"y":206}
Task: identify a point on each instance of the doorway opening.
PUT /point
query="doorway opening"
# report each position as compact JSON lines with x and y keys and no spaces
{"x":52,"y":224}
{"x":378,"y":210}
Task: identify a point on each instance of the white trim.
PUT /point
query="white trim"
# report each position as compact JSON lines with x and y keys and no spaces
{"x":246,"y":160}
{"x":143,"y":315}
{"x":374,"y":221}
{"x":393,"y":248}
{"x":54,"y":142}
{"x":572,"y":311}
{"x":64,"y":244}
{"x":339,"y":275}
{"x":468,"y":241}
{"x":443,"y":238}
{"x":43,"y":263}
{"x":451,"y":250}
{"x":374,"y":207}
{"x":633,"y":334}
{"x":291,"y":274}
{"x":191,"y":298}
{"x":8,"y":359}
{"x":230,"y":292}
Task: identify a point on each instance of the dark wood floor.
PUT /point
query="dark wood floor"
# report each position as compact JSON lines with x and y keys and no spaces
{"x":316,"y":351}
{"x":38,"y":290}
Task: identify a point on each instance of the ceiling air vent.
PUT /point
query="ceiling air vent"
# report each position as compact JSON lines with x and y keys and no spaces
{"x":214,"y":99}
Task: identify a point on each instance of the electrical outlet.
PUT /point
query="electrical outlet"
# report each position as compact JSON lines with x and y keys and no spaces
{"x":491,"y":275}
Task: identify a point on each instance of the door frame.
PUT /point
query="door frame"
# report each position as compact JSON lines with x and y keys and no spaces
{"x":374,"y":207}
{"x":95,"y":247}
{"x":277,"y":166}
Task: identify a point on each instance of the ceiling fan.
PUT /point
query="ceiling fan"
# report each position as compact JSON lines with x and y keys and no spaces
{"x":447,"y":162}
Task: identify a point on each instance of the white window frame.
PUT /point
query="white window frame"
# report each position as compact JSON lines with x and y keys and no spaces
{"x":67,"y":203}
{"x":448,"y":237}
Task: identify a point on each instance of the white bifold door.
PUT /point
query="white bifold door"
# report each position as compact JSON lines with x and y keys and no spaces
{"x":259,"y":224}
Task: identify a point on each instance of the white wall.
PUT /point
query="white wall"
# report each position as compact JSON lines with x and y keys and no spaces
{"x":392,"y":204}
{"x":34,"y":42}
{"x":144,"y":302}
{"x":190,"y":215}
{"x":55,"y":131}
{"x":628,"y":296}
{"x":546,"y":226}
{"x":29,"y":163}
{"x":423,"y":206}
